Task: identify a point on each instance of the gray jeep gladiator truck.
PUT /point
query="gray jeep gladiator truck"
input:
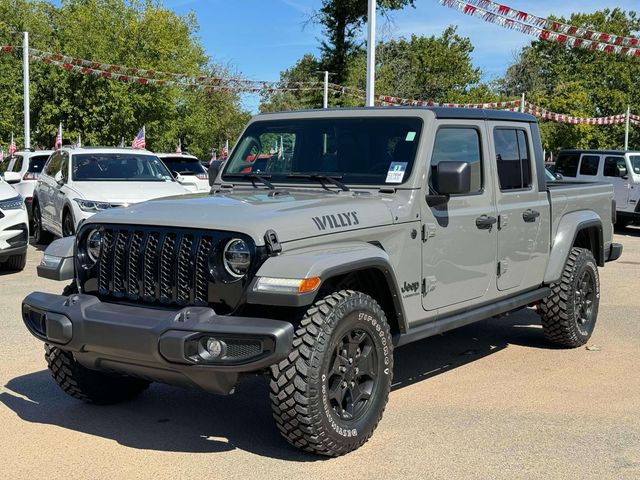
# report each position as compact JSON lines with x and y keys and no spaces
{"x":328,"y":239}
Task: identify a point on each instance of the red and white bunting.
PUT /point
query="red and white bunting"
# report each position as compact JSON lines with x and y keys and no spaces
{"x":563,"y":118}
{"x":554,"y":26}
{"x":397,"y":101}
{"x":539,"y":32}
{"x":635,"y":119}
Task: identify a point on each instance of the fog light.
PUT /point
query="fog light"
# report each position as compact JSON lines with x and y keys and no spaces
{"x":210,"y":349}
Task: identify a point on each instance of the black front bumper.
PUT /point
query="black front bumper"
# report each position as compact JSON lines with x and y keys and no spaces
{"x":10,"y":252}
{"x":157,"y":344}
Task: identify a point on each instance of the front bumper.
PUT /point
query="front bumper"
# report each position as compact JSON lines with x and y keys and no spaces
{"x":154,"y":344}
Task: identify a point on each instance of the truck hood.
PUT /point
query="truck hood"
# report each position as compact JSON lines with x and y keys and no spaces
{"x":293,"y":215}
{"x":128,"y":192}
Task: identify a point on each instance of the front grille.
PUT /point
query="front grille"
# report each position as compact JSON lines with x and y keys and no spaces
{"x":166,"y":266}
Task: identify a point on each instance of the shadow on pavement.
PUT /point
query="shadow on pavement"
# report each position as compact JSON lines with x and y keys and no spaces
{"x":177,"y":420}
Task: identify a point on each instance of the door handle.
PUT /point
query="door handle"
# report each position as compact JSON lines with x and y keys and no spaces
{"x":485,"y":222}
{"x":530,"y":215}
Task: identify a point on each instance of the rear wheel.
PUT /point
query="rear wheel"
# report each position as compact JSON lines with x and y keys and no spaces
{"x":569,"y":314}
{"x":40,"y":235}
{"x":15,"y":263}
{"x":330,"y":393}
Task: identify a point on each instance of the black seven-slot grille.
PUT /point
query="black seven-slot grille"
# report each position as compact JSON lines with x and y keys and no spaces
{"x":169,"y":266}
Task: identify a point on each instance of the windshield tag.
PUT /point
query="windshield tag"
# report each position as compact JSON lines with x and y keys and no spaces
{"x":396,"y":172}
{"x":411,"y":136}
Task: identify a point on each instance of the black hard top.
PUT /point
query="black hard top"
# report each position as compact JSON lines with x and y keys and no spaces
{"x":598,"y":152}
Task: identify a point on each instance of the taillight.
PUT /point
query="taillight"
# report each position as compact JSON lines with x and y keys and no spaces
{"x":30,"y":176}
{"x":202,"y":176}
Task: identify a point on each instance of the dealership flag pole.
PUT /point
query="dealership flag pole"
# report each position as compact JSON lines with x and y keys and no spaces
{"x":371,"y":54}
{"x":522,"y":107}
{"x":25,"y":82}
{"x":626,"y":128}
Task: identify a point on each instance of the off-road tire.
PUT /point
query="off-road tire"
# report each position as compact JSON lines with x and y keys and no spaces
{"x":560,"y":311}
{"x":15,"y":263}
{"x":86,"y":384}
{"x":300,"y":394}
{"x":40,"y":235}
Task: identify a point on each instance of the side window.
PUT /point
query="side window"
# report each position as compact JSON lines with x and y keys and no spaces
{"x":614,"y":167}
{"x":53,"y":165}
{"x":567,"y":164}
{"x":4,"y":165}
{"x":454,"y":144}
{"x":17,"y":164}
{"x":513,"y":159}
{"x":589,"y":165}
{"x":64,"y":167}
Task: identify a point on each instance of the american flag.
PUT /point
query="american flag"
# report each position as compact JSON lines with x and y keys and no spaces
{"x":179,"y":146}
{"x":225,"y":150}
{"x":139,"y":141}
{"x":12,"y":146}
{"x":58,"y":144}
{"x":214,"y":156}
{"x":1,"y":155}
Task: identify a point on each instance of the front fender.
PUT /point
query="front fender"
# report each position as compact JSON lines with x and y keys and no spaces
{"x":566,"y":233}
{"x":325,"y":261}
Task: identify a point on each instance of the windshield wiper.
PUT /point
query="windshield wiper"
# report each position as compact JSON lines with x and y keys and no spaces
{"x":323,"y":179}
{"x":253,"y":177}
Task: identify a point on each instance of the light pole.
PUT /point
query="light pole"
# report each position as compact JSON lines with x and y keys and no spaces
{"x":325,"y":97}
{"x":626,"y":128}
{"x":25,"y":83}
{"x":371,"y":54}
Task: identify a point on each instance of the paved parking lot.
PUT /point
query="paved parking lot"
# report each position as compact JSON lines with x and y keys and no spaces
{"x":488,"y":401}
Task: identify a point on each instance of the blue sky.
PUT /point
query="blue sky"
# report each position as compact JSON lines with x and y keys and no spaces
{"x":259,"y":38}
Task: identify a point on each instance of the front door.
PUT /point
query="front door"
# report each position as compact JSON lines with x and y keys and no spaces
{"x":523,"y":211}
{"x":459,"y":240}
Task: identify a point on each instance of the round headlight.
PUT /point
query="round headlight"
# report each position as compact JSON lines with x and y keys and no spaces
{"x":94,"y":241}
{"x":236,"y":257}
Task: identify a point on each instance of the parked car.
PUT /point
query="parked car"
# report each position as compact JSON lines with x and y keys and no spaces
{"x":617,"y":167}
{"x":187,"y":170}
{"x":372,"y":229}
{"x":76,"y":183}
{"x":28,"y":164}
{"x":14,"y":228}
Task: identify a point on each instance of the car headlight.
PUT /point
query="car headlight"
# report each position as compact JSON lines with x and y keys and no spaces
{"x":14,"y":203}
{"x":236,"y":258}
{"x":93,"y":244}
{"x":91,"y":206}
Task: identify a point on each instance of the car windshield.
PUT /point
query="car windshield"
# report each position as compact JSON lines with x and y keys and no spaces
{"x":36,"y":163}
{"x":550,"y":176}
{"x":368,"y":151}
{"x":119,"y":167}
{"x":635,"y":163}
{"x":183,"y":166}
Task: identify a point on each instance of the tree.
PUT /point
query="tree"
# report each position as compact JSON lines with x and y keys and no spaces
{"x":342,"y":20}
{"x":580,"y":82}
{"x":134,"y":33}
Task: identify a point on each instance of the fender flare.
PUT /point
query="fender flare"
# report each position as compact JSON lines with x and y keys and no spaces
{"x":325,"y":262}
{"x":568,"y":229}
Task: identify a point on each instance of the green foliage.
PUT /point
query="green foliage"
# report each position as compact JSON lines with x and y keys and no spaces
{"x":581,"y":83}
{"x":133,"y":33}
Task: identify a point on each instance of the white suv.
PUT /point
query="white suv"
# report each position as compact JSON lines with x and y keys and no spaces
{"x":28,"y":164}
{"x":76,"y":183}
{"x":14,"y":229}
{"x":187,"y":170}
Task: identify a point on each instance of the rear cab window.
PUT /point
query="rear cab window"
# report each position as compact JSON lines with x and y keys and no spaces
{"x":567,"y":164}
{"x":614,"y":167}
{"x":512,"y":158}
{"x":184,"y":165}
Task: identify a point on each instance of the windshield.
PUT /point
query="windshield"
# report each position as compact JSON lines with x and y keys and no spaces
{"x":635,"y":163}
{"x":118,"y":167}
{"x":356,"y":150}
{"x":184,"y":166}
{"x":550,"y":176}
{"x":36,"y":163}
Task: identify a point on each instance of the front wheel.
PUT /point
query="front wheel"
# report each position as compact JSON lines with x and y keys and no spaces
{"x":569,"y":314}
{"x":330,"y":393}
{"x":40,"y":235}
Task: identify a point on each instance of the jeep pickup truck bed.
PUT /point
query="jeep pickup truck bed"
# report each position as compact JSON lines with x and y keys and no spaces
{"x":365,"y":230}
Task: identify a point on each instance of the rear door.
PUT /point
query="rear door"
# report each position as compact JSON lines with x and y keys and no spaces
{"x":615,"y":172}
{"x":523,"y":221}
{"x":458,"y":256}
{"x":46,"y":188}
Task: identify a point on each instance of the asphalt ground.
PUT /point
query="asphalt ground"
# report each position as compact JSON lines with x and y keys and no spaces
{"x":488,"y":401}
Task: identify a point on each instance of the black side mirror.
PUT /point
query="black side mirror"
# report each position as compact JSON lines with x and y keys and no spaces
{"x":214,"y":169}
{"x":452,"y":178}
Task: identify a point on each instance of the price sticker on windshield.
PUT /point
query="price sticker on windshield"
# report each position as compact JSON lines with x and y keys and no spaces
{"x":396,"y":172}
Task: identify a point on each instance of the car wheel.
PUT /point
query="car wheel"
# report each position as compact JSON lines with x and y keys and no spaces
{"x":68,"y":225}
{"x":40,"y":235}
{"x":330,"y":393}
{"x":569,"y":314}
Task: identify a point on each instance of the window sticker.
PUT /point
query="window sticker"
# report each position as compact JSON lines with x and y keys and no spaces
{"x":411,"y":136}
{"x":396,"y":172}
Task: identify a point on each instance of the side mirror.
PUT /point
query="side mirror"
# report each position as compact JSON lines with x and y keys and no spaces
{"x":214,"y":169}
{"x":558,"y":176}
{"x":452,"y":178}
{"x":12,"y":177}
